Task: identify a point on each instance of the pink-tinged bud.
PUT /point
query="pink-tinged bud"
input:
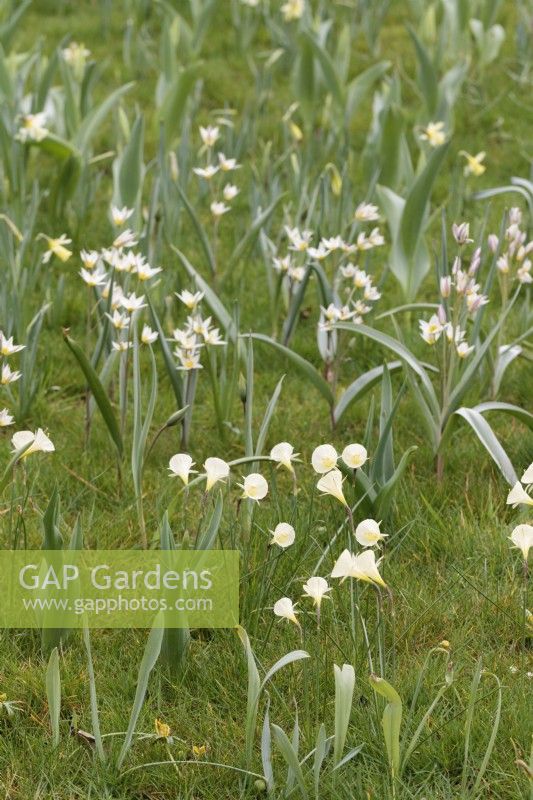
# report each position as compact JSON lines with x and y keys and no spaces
{"x":493,"y":242}
{"x":445,"y":286}
{"x":475,"y":262}
{"x":461,"y":233}
{"x":456,"y":266}
{"x":515,"y":216}
{"x":441,"y":315}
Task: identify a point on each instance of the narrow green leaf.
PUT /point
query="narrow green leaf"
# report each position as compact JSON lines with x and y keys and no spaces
{"x":207,"y":536}
{"x":149,"y":660}
{"x":384,"y":495}
{"x":53,"y":694}
{"x":361,"y":85}
{"x":95,"y":719}
{"x":328,"y":68}
{"x":97,"y":116}
{"x":344,"y":688}
{"x":290,"y":757}
{"x":427,"y":76}
{"x":289,"y":658}
{"x":200,"y":230}
{"x":263,"y":430}
{"x":128,"y":169}
{"x":170,"y":364}
{"x":175,"y":101}
{"x":391,"y":721}
{"x":98,"y":392}
{"x":249,"y":238}
{"x":416,"y":204}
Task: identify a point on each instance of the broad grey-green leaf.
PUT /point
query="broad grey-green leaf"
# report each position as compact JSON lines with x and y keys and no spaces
{"x":361,"y":386}
{"x":490,"y":442}
{"x":302,"y":365}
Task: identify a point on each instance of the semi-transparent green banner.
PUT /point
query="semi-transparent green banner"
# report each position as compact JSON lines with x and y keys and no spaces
{"x":119,"y":588}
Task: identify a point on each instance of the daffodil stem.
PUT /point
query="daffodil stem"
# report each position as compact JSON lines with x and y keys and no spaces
{"x":524,"y":609}
{"x":439,"y":466}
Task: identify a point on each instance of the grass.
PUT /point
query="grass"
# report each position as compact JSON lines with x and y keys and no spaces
{"x":450,"y":567}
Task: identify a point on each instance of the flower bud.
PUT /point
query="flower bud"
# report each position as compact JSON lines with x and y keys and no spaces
{"x":445,"y":286}
{"x":493,"y":242}
{"x":461,"y":233}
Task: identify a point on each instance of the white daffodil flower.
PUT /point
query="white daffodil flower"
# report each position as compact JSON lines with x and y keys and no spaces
{"x":5,"y":418}
{"x":319,"y":253}
{"x":145,"y":272}
{"x":230,"y":191}
{"x":216,"y":469}
{"x":188,"y":360}
{"x":213,"y":337}
{"x":255,"y":487}
{"x":293,"y":10}
{"x":282,"y":264}
{"x":283,"y":453}
{"x":354,"y":455}
{"x":33,"y":128}
{"x":181,"y":465}
{"x":362,"y":567}
{"x":132,"y":303}
{"x":120,"y":215}
{"x":464,"y":349}
{"x":368,"y":533}
{"x":37,"y":442}
{"x":366,"y":212}
{"x":283,"y":535}
{"x":190,"y":299}
{"x":331,"y":483}
{"x":218,"y":209}
{"x":227,"y":164}
{"x":518,"y":496}
{"x":92,"y":278}
{"x":209,"y":135}
{"x":431,"y":331}
{"x":119,"y":321}
{"x":56,"y":247}
{"x":125,"y":239}
{"x":122,"y":346}
{"x":148,"y":336}
{"x":89,"y":258}
{"x":474,"y":164}
{"x":317,"y":589}
{"x":284,"y":608}
{"x":299,"y":241}
{"x":522,"y":538}
{"x":9,"y":375}
{"x":7,"y":348}
{"x":324,"y":458}
{"x":206,"y":172}
{"x":76,"y":56}
{"x":527,"y":477}
{"x":434,"y":134}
